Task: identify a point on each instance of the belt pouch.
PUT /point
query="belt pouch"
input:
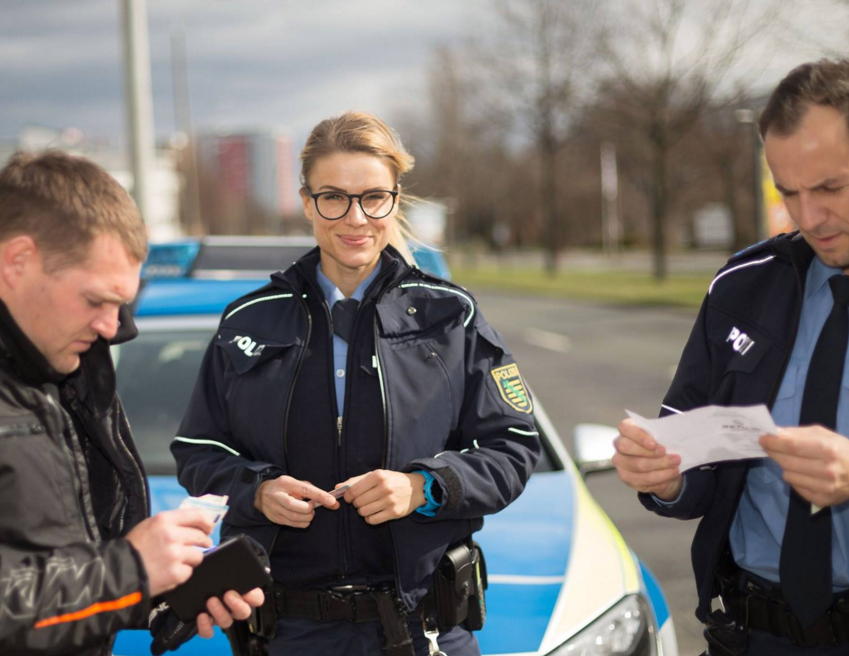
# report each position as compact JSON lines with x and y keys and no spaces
{"x":477,"y":599}
{"x":452,"y":586}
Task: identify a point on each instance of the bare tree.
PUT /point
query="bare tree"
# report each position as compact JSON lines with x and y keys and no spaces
{"x":669,"y":60}
{"x":538,"y":60}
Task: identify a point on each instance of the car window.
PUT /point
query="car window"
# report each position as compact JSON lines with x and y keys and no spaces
{"x":156,"y":375}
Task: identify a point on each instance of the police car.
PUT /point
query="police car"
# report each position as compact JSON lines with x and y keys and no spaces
{"x":561,"y":578}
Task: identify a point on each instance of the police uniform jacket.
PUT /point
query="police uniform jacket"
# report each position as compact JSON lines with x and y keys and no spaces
{"x":429,"y":386}
{"x":72,"y":485}
{"x":736,"y":355}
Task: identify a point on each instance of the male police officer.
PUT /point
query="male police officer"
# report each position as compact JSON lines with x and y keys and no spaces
{"x":78,"y":559}
{"x":773,"y":542}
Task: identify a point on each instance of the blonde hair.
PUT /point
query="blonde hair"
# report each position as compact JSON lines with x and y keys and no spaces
{"x":63,"y":202}
{"x":359,"y":132}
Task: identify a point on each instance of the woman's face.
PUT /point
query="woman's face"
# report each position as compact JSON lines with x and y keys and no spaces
{"x":354,"y":242}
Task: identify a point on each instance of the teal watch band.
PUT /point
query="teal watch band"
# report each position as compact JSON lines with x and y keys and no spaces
{"x":432,"y":505}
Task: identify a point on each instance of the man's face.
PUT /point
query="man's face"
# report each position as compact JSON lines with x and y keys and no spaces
{"x":63,"y":312}
{"x":811,"y":170}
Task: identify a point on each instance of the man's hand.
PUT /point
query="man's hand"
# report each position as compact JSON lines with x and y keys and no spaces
{"x":382,"y":495}
{"x":644,"y":465}
{"x":168,"y":544}
{"x":286,"y":500}
{"x":233,"y":607}
{"x":814,"y":460}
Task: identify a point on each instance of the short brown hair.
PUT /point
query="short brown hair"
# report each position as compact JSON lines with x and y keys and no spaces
{"x":63,"y":202}
{"x":825,"y":82}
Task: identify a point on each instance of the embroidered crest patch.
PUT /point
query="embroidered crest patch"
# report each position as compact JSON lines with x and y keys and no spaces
{"x":512,"y":388}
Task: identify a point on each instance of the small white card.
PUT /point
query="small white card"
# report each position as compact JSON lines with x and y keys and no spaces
{"x":213,"y":506}
{"x":711,"y":434}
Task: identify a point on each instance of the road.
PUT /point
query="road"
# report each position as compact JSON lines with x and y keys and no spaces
{"x":587,"y":363}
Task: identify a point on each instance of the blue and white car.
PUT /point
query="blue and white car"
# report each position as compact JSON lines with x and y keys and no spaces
{"x":561,"y":578}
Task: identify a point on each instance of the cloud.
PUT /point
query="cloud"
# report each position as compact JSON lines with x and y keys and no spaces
{"x":265,"y":62}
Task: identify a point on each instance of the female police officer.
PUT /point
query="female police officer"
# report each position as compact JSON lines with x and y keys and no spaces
{"x":351,"y":368}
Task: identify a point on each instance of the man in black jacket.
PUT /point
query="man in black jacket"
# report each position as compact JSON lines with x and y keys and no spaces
{"x":772,"y":541}
{"x":78,"y":559}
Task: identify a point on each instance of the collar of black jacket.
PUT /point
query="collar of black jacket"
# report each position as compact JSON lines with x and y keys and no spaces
{"x":20,"y":354}
{"x":303,"y":272}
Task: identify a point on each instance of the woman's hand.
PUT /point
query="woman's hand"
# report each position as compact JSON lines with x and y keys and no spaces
{"x":382,"y":495}
{"x":288,"y":501}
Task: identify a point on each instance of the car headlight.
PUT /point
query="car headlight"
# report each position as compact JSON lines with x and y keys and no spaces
{"x":624,"y":630}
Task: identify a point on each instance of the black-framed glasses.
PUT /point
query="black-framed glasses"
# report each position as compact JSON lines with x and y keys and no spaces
{"x":333,"y":205}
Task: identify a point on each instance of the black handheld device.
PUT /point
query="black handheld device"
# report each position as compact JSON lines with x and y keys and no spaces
{"x":232,"y":565}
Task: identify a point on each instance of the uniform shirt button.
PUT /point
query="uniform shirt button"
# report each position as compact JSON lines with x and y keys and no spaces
{"x":340,"y":373}
{"x":411,"y":310}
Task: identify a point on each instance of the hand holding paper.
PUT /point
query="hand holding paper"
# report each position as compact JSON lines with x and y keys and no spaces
{"x":711,"y":434}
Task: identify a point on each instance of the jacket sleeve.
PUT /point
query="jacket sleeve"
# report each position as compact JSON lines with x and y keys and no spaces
{"x":690,"y":389}
{"x":65,"y":600}
{"x":498,"y":445}
{"x":208,"y":453}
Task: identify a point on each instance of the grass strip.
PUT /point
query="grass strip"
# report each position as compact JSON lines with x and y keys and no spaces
{"x":605,"y":286}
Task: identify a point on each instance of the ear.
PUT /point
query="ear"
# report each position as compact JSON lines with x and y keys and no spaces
{"x":309,"y":205}
{"x":18,"y":257}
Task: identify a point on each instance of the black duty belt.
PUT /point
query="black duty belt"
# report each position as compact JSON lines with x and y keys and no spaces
{"x":764,"y":609}
{"x":348,"y":603}
{"x":351,"y":603}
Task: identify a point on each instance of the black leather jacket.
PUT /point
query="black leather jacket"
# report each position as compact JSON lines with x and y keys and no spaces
{"x":453,"y":404}
{"x":71,"y":485}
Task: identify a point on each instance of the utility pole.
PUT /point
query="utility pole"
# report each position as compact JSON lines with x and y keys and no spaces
{"x":183,"y":121}
{"x":610,"y":229}
{"x":139,"y":100}
{"x":749,"y":118}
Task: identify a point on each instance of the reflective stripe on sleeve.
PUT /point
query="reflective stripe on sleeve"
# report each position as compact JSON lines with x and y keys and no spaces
{"x":210,"y":442}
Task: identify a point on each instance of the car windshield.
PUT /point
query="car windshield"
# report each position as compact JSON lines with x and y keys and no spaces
{"x":156,"y":375}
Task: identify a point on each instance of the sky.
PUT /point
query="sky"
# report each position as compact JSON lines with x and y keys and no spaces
{"x":282,"y":64}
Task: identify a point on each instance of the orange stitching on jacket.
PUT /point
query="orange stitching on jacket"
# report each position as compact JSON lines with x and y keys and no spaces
{"x":94,"y":609}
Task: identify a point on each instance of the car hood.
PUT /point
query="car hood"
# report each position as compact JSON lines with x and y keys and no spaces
{"x":555,"y":563}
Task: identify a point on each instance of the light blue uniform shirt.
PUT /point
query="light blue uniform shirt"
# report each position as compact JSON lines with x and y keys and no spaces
{"x":340,"y":346}
{"x":758,"y":527}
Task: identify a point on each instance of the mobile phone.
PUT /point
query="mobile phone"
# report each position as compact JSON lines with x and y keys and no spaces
{"x":232,"y":565}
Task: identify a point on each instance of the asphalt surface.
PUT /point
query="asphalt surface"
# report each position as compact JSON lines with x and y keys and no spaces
{"x":586,"y":363}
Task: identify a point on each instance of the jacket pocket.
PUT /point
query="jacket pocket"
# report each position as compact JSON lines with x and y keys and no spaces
{"x":247,"y":351}
{"x":410,"y":320}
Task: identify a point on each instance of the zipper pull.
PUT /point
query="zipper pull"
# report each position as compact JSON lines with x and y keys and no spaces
{"x":339,"y":429}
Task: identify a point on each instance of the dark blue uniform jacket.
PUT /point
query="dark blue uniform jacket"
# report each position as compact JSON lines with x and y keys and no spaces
{"x":736,"y":355}
{"x":447,"y":398}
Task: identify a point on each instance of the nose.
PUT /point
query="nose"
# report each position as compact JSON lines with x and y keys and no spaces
{"x":355,"y":215}
{"x":811,"y":212}
{"x":106,"y":324}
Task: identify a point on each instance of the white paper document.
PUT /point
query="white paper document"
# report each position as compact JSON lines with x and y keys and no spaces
{"x":711,"y":434}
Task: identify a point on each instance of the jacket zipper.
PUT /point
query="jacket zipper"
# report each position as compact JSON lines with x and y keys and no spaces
{"x":295,"y":375}
{"x":396,"y":573}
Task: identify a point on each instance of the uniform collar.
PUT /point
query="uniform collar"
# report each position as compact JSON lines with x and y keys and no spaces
{"x":818,"y":275}
{"x":302,"y":273}
{"x":332,"y":293}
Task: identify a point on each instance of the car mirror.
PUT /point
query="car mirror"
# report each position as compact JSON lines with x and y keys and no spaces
{"x":593,"y":446}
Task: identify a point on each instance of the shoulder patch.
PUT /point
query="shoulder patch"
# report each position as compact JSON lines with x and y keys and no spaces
{"x":512,"y":388}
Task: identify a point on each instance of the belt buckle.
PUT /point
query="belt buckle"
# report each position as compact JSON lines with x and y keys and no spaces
{"x":334,"y":606}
